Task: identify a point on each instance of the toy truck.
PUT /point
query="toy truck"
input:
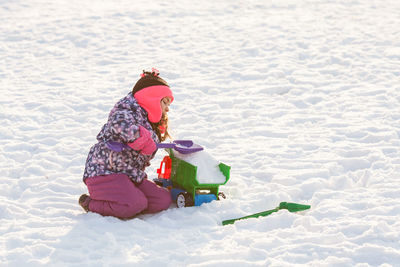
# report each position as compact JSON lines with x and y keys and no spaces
{"x":180,"y":177}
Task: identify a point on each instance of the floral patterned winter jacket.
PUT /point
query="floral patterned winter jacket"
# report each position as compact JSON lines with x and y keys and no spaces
{"x":123,"y":127}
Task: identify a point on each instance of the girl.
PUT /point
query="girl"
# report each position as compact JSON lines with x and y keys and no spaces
{"x":114,"y":172}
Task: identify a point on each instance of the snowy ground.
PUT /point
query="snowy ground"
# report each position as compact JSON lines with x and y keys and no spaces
{"x":300,"y":98}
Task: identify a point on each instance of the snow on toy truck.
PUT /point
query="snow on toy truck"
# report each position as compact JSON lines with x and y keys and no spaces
{"x":192,"y":176}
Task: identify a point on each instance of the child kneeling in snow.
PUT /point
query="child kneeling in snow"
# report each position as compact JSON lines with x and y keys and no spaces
{"x":114,"y":172}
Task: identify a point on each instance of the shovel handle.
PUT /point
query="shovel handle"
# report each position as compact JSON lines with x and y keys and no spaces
{"x":166,"y":145}
{"x":256,"y":215}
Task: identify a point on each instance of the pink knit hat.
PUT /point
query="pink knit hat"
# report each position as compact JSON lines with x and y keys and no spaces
{"x":149,"y":91}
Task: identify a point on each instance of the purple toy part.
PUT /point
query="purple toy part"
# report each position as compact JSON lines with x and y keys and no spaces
{"x":182,"y":146}
{"x":186,"y":143}
{"x":116,"y":146}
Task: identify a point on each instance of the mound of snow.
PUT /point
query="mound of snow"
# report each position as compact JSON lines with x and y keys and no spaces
{"x":208,"y":171}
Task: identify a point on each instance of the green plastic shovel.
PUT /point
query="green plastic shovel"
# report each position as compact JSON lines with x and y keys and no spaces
{"x":292,"y":207}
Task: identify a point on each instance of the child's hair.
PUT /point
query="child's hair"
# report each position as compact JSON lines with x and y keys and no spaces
{"x":161,"y":128}
{"x":150,"y":79}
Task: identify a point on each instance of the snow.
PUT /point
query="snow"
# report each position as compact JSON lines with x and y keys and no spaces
{"x":300,"y":98}
{"x":207,"y":166}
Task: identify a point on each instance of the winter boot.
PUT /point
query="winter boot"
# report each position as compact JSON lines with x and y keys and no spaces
{"x":84,"y":202}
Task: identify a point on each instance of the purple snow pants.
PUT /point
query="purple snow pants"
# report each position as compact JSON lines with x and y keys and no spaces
{"x":116,"y":195}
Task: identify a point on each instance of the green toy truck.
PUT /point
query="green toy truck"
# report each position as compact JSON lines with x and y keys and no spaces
{"x":181,"y":177}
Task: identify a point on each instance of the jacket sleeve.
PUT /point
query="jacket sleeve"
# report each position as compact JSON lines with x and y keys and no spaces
{"x":122,"y":126}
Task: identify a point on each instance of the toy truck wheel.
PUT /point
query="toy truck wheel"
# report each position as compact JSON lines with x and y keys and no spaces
{"x":184,"y":200}
{"x":221,"y":195}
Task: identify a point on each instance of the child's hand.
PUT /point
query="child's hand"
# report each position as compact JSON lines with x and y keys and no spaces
{"x":144,"y":143}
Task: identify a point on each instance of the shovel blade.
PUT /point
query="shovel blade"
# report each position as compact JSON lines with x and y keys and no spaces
{"x":293,"y":207}
{"x":182,"y":146}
